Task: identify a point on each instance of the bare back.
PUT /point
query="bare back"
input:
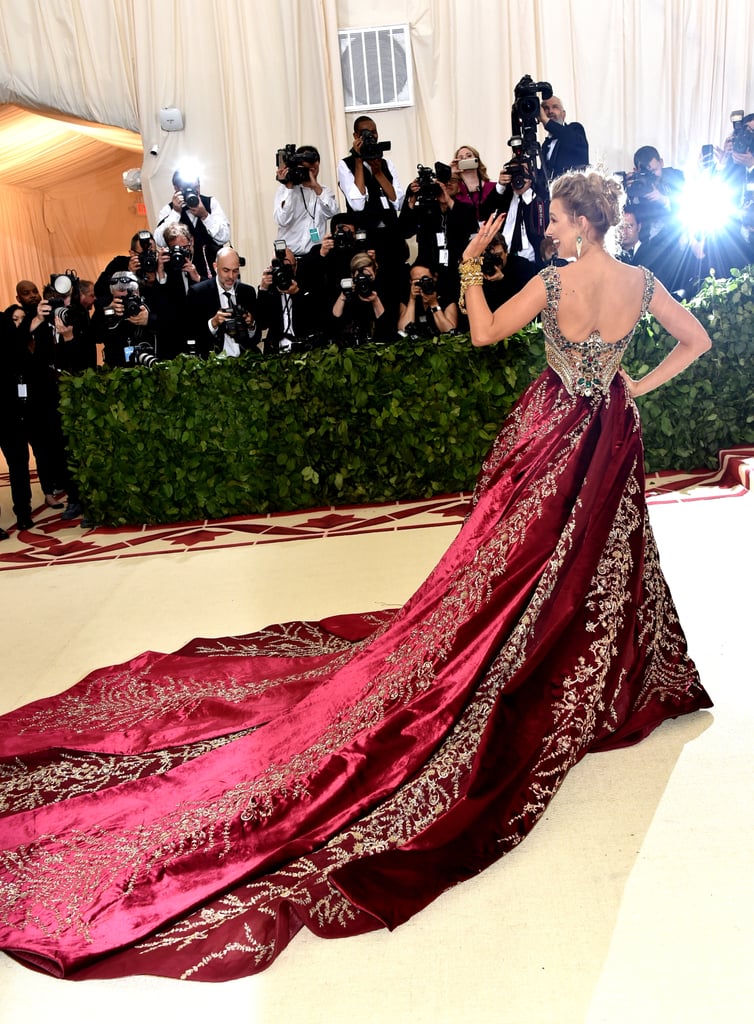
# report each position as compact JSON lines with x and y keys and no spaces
{"x":603,"y":297}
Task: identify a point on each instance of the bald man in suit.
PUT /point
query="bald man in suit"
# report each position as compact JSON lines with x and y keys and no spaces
{"x":566,"y":147}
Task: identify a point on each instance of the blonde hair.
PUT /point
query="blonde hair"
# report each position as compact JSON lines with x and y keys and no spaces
{"x":590,"y":194}
{"x":481,"y":169}
{"x":361,"y":260}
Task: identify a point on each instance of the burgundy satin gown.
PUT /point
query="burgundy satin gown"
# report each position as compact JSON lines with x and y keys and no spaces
{"x":185,"y":814}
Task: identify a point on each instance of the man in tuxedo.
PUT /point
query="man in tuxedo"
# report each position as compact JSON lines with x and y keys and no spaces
{"x":629,"y":237}
{"x":566,"y":147}
{"x":223,"y":309}
{"x":288,"y":311}
{"x":641,"y":249}
{"x":523,"y":229}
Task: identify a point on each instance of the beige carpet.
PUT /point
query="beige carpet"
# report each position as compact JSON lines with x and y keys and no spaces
{"x":630,"y":902}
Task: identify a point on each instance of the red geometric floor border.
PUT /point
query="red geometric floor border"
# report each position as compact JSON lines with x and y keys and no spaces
{"x":55,"y":542}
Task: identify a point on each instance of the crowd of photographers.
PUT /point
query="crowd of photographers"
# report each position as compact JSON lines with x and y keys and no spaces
{"x":384,"y":268}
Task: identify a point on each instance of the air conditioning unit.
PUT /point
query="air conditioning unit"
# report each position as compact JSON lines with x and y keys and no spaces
{"x":376,"y":67}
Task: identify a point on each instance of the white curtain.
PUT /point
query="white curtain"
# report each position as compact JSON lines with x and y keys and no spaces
{"x":252,"y":75}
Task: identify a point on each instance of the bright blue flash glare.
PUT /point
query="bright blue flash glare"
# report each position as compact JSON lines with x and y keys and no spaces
{"x":706,"y":206}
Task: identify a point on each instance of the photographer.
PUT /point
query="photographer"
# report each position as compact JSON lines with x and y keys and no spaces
{"x":76,"y":348}
{"x":653,"y":193}
{"x":425,"y":313}
{"x":441,"y":225}
{"x":202,"y":215}
{"x":126,"y":326}
{"x":373,"y":193}
{"x":474,"y":185}
{"x":525,"y":222}
{"x":359,"y":314}
{"x":736,"y":169}
{"x":285,"y":310}
{"x":168,"y":297}
{"x":30,"y":414}
{"x":495,"y":284}
{"x":302,"y":206}
{"x":659,"y":187}
{"x":142,"y":260}
{"x":566,"y":147}
{"x":223,"y":309}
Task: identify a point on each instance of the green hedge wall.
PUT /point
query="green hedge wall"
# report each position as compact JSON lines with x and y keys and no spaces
{"x":192,"y":439}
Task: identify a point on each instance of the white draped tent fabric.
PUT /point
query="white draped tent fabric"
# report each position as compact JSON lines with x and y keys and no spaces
{"x":250,"y":76}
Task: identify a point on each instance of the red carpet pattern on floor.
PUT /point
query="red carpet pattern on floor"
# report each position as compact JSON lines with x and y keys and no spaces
{"x":53,"y":541}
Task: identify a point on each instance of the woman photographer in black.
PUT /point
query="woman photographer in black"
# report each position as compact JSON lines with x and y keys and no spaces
{"x":359,"y":312}
{"x":426,"y":313}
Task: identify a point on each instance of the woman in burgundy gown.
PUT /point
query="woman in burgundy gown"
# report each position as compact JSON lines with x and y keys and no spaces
{"x":186,"y":814}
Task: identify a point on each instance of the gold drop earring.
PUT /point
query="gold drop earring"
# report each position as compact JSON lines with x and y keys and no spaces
{"x":579,"y":240}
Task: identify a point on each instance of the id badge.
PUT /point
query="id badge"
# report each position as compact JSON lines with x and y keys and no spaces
{"x":128,"y":351}
{"x":314,"y":234}
{"x":22,"y":391}
{"x":385,"y":202}
{"x":443,"y":257}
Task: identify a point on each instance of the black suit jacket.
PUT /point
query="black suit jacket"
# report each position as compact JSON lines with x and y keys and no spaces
{"x":571,"y":152}
{"x":535,"y":220}
{"x":203,"y":301}
{"x":305,"y":313}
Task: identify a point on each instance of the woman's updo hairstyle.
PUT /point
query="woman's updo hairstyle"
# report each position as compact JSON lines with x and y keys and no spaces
{"x":591,"y":195}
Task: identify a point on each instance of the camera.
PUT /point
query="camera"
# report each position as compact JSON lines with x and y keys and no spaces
{"x":520,"y":172}
{"x":190,"y":196}
{"x":178,"y":256}
{"x":519,"y":167}
{"x":363,"y":284}
{"x":282,"y":275}
{"x":637,"y":186}
{"x":142,"y":355}
{"x":524,"y":142}
{"x":743,"y":139}
{"x":491,"y":261}
{"x":428,"y":190}
{"x":371,"y":149}
{"x":282,"y":272}
{"x":428,"y":179}
{"x":526,"y":104}
{"x":65,"y":314}
{"x":343,"y":238}
{"x":468,"y":165}
{"x":147,"y":256}
{"x":427,"y":285}
{"x":288,"y":157}
{"x":131,"y":305}
{"x":64,"y":286}
{"x":235,"y":326}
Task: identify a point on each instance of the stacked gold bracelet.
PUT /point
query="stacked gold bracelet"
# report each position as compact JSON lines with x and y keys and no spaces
{"x":471,"y":274}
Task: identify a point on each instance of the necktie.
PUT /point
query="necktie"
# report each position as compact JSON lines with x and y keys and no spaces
{"x":516,"y":240}
{"x":228,"y":300}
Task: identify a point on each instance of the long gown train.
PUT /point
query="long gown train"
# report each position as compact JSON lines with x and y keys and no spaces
{"x":185,"y":814}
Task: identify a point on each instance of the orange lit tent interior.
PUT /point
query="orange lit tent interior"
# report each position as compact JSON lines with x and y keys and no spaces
{"x":63,"y":203}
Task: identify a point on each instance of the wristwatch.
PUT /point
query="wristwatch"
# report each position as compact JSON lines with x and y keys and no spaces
{"x":435,"y":309}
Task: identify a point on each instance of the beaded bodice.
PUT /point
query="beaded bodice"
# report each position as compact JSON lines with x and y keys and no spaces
{"x":585,"y":367}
